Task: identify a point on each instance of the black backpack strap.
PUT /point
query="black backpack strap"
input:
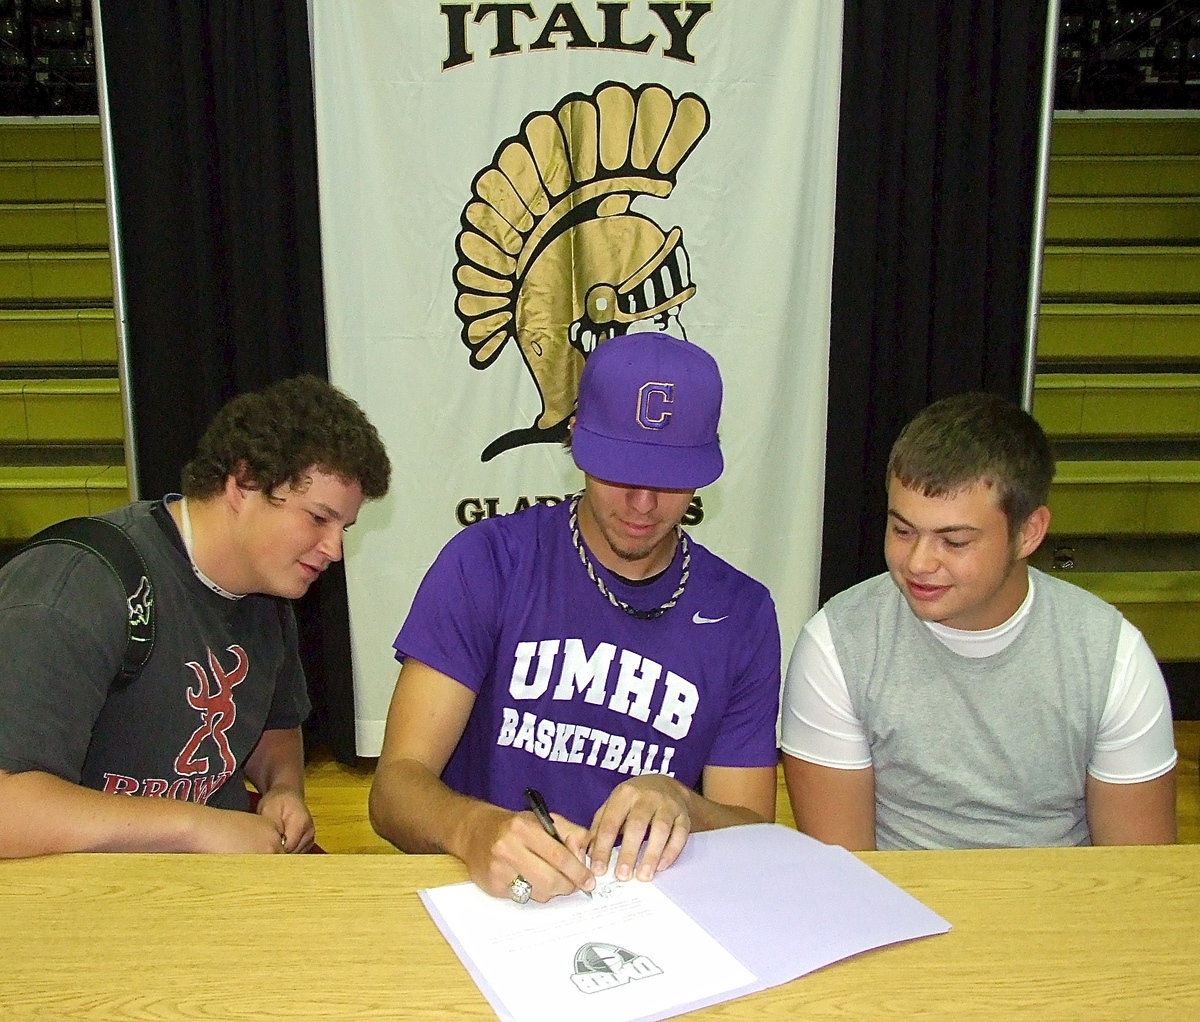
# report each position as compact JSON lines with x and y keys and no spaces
{"x":112,"y":545}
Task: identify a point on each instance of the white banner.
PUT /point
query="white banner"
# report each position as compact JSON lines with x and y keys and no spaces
{"x":505,"y":185}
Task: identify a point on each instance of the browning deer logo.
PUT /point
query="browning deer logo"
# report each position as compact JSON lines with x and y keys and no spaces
{"x":551,"y":254}
{"x":217,"y":712}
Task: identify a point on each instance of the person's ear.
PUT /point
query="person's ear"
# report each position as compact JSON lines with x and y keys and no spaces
{"x":238,"y":487}
{"x":1033,"y":531}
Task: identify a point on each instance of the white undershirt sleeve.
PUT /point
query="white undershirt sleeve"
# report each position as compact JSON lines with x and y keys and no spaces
{"x":817,"y":722}
{"x":1136,"y":741}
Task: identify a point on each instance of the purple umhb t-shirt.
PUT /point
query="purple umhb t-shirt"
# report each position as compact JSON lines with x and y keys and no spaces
{"x":574,"y":696}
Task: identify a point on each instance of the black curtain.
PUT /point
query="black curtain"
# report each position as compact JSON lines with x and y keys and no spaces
{"x":211,"y":111}
{"x":937,"y":164}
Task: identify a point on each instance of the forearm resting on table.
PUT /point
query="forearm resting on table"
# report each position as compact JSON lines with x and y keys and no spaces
{"x":706,"y":814}
{"x":411,"y":807}
{"x":42,"y":814}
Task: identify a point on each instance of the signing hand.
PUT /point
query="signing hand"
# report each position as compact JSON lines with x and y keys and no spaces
{"x":503,"y":845}
{"x":648,"y":814}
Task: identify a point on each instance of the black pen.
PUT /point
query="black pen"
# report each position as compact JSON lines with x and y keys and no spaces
{"x":537,"y":806}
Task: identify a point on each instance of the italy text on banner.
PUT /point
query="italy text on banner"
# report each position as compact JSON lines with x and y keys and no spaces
{"x":506,"y":185}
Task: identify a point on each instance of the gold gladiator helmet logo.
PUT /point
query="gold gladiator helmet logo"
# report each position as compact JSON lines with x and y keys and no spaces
{"x":551,"y":255}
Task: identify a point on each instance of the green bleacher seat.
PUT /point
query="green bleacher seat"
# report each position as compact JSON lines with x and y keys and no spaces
{"x":25,"y":225}
{"x":50,"y":276}
{"x":1124,"y":175}
{"x":1163,"y":605}
{"x":1126,"y":498}
{"x":61,"y":411}
{"x":1118,"y":405}
{"x":61,"y":181}
{"x":1118,"y":333}
{"x":1169,"y":273}
{"x":50,"y":140}
{"x":1124,"y":136}
{"x":1121,"y":299}
{"x":1170,"y":219}
{"x":46,"y":337}
{"x":32,"y":498}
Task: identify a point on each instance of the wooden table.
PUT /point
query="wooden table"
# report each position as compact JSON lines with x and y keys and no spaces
{"x":1087,"y":933}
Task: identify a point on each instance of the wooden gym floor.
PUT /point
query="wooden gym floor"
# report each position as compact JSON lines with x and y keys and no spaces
{"x":337,"y":796}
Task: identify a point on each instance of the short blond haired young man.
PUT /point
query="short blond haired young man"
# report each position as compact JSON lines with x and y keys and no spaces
{"x":964,"y":699}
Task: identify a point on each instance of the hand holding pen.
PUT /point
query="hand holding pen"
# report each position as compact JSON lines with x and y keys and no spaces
{"x":537,"y":805}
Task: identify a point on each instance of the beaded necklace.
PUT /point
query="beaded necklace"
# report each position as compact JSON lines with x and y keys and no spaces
{"x":641,"y":615}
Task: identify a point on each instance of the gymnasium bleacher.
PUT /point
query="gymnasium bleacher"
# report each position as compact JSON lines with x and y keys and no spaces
{"x":1118,"y":368}
{"x":61,"y":419}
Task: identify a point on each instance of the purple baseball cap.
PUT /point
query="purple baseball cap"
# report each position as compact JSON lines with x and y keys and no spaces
{"x":647,"y":414}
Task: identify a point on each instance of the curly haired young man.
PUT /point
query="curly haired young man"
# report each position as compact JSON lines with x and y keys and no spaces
{"x":277,"y":478}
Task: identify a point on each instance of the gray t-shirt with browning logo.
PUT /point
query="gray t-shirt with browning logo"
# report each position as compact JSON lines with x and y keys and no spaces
{"x":221,"y":672}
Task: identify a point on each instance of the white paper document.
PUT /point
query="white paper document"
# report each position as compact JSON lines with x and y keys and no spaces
{"x":742,"y":909}
{"x":625,"y":953}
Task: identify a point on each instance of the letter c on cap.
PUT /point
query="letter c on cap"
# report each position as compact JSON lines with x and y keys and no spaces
{"x":653,"y":399}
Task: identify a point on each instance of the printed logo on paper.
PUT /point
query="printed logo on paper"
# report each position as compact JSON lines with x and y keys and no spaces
{"x":605,"y":966}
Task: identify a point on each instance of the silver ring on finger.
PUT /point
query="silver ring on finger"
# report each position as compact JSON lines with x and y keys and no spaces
{"x":520,"y":889}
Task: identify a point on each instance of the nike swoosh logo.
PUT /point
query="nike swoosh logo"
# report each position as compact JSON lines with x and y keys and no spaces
{"x":699,"y":619}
